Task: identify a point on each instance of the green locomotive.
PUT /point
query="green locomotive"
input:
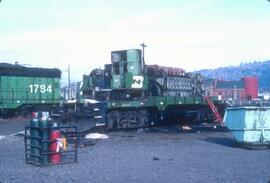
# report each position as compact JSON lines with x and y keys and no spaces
{"x":27,"y":88}
{"x":139,"y":95}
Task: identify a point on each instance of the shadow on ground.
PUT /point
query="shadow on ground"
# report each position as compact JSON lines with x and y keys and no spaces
{"x":225,"y":141}
{"x":230,"y":142}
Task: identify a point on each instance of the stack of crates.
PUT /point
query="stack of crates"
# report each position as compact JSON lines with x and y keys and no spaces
{"x":49,"y":144}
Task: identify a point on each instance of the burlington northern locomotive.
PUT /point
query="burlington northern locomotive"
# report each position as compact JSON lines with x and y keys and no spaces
{"x":135,"y":94}
{"x":25,"y":89}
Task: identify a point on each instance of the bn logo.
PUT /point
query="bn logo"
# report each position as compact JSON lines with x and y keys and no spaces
{"x":137,"y":82}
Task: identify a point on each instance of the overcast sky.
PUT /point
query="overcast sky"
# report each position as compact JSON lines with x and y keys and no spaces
{"x":189,"y":34}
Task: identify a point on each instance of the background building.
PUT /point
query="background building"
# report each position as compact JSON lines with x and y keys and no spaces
{"x":246,"y":88}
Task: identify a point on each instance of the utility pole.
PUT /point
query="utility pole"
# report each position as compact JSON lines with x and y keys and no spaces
{"x":69,"y":82}
{"x":143,"y":46}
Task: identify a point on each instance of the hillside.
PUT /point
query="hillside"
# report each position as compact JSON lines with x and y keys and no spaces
{"x":259,"y":69}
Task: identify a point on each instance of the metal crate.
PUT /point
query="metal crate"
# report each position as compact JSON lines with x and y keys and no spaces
{"x":37,"y":149}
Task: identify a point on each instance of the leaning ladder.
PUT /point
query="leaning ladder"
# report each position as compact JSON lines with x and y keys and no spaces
{"x":213,"y":108}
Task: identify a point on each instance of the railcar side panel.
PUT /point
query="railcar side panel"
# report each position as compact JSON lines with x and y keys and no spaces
{"x":16,"y":91}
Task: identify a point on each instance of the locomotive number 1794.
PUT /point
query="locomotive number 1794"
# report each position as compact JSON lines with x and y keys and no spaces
{"x":34,"y":88}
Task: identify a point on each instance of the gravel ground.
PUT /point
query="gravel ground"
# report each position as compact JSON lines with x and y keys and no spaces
{"x":7,"y":128}
{"x":159,"y":155}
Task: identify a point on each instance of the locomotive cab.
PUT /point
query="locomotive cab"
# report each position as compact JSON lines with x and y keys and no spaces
{"x":128,"y":70}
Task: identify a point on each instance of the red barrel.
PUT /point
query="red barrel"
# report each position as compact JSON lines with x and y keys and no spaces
{"x":55,"y":158}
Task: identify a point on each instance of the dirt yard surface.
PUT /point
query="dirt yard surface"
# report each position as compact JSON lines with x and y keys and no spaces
{"x":151,"y":155}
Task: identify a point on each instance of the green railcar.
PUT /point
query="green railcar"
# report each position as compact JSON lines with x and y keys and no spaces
{"x":28,"y":87}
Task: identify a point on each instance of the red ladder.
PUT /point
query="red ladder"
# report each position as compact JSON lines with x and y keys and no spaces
{"x":213,"y":108}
